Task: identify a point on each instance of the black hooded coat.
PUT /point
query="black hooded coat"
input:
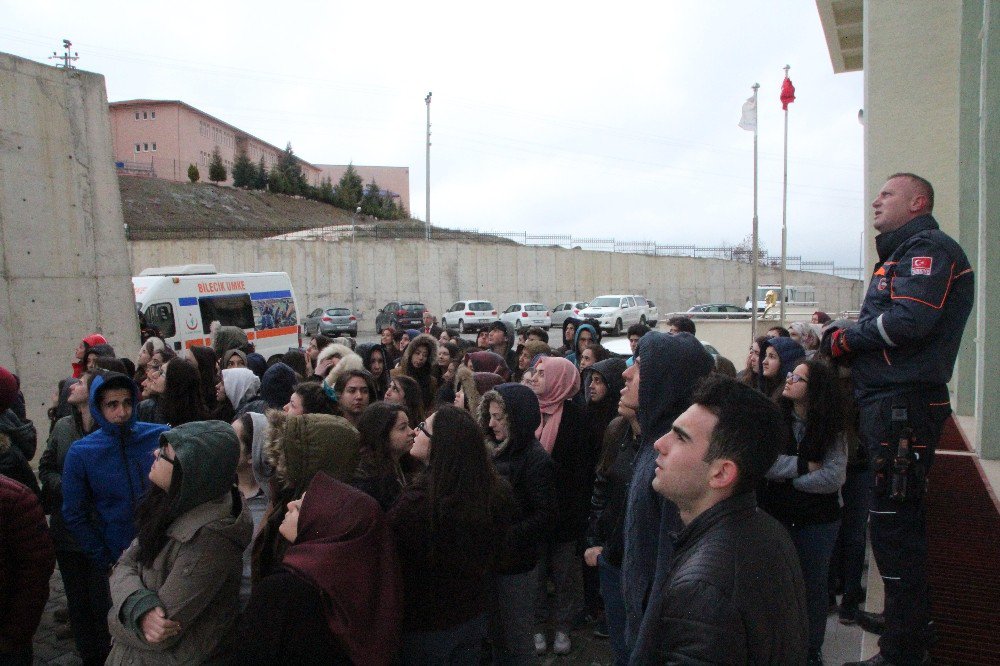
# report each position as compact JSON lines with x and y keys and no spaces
{"x":670,"y":367}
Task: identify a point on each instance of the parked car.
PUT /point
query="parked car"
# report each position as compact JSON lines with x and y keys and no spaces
{"x":400,"y":314}
{"x":616,"y":312}
{"x":567,"y":309}
{"x":526,"y":315}
{"x":718,"y":311}
{"x":469,"y":315}
{"x":652,"y":314}
{"x":331,"y":322}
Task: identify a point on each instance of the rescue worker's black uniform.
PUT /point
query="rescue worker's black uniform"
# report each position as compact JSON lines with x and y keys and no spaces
{"x":902,"y":352}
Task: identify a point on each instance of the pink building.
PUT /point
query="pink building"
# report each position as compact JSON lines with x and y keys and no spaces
{"x":392,"y":179}
{"x":162,"y":137}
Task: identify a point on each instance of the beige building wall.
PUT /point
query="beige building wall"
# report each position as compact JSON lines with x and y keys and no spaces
{"x":170,"y":135}
{"x":932,"y":78}
{"x":64,"y":267}
{"x":394,"y":179}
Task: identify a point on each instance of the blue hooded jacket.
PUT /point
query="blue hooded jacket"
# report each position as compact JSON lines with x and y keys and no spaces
{"x":595,"y":336}
{"x":670,"y":367}
{"x":105,"y":475}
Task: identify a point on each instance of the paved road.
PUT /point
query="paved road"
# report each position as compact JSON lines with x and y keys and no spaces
{"x":54,"y":645}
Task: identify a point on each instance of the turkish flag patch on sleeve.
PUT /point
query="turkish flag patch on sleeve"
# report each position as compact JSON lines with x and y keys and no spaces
{"x":921,"y":265}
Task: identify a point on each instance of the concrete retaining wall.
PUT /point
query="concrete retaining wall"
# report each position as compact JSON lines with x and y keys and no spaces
{"x":441,"y":272}
{"x":64,"y":268}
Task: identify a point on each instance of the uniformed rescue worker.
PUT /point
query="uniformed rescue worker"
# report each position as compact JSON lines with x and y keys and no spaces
{"x":902,"y":351}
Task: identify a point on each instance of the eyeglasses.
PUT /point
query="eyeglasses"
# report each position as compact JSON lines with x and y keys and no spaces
{"x":794,"y":378}
{"x":421,"y":428}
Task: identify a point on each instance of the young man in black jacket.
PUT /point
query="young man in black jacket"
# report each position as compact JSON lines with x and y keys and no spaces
{"x":734,"y":593}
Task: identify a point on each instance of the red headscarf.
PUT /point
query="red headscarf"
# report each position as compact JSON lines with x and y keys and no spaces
{"x":88,"y":342}
{"x":345,"y":549}
{"x":562,"y":382}
{"x":487,"y":361}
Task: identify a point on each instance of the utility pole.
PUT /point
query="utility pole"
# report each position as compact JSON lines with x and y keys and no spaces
{"x":427,"y":200}
{"x":67,"y":57}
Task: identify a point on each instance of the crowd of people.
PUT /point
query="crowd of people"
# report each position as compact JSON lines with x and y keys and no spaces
{"x":431,"y":500}
{"x":417,"y":500}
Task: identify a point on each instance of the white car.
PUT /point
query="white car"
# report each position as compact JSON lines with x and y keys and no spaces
{"x":526,"y":315}
{"x":616,"y":312}
{"x":469,"y":315}
{"x":567,"y":309}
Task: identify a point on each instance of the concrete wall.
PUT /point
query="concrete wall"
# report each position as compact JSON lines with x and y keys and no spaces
{"x":64,"y":268}
{"x":441,"y":272}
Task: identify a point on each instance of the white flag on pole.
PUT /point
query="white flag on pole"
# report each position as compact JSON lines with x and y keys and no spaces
{"x":749,"y":119}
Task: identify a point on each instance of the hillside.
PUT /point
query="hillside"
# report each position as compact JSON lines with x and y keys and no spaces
{"x":156,"y":209}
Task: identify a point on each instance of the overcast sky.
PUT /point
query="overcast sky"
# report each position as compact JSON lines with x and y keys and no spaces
{"x":577,"y":118}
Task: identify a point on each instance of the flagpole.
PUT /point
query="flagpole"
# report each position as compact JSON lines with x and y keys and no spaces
{"x":754,"y":256}
{"x":784,"y":216}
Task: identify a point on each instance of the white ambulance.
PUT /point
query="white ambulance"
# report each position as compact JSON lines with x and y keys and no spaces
{"x":181,"y":302}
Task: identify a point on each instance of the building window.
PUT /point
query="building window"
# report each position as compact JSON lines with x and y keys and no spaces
{"x":154,"y":147}
{"x":145,"y":147}
{"x":137,"y":147}
{"x":137,"y":115}
{"x":143,"y":115}
{"x":152,"y":114}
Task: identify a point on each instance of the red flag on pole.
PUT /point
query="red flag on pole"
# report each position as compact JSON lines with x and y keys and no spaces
{"x":787,"y":93}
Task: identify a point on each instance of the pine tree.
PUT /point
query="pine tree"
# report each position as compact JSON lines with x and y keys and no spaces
{"x":326,"y":191}
{"x":216,"y":169}
{"x":260,"y":176}
{"x":349,"y":190}
{"x":291,"y":171}
{"x":244,"y":171}
{"x":193,"y":174}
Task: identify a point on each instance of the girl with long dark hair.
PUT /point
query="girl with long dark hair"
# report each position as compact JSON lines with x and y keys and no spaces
{"x":180,"y":399}
{"x":417,"y":363}
{"x":405,"y":391}
{"x":174,"y":590}
{"x":386,"y":438}
{"x":207,"y":362}
{"x":801,"y":489}
{"x":449,"y":527}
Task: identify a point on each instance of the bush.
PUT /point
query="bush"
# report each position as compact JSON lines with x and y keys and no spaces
{"x":216,"y":169}
{"x":193,"y":174}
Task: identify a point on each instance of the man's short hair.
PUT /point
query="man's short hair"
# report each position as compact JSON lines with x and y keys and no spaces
{"x":683,"y":324}
{"x":750,"y":431}
{"x":923,"y":186}
{"x":637,"y":329}
{"x":539,"y":332}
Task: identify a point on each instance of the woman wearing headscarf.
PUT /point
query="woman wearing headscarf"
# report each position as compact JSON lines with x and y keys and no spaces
{"x":174,"y":590}
{"x":241,"y":388}
{"x":471,"y":386}
{"x":778,"y":357}
{"x":508,"y":415}
{"x":526,"y":355}
{"x":602,"y":383}
{"x":417,"y":363}
{"x":334,"y":596}
{"x":807,"y":335}
{"x":374,"y":358}
{"x":296,"y":448}
{"x":587,"y":333}
{"x":562,"y":433}
{"x":234,"y":358}
{"x":449,"y":526}
{"x":79,"y":364}
{"x":487,"y":361}
{"x":277,"y":385}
